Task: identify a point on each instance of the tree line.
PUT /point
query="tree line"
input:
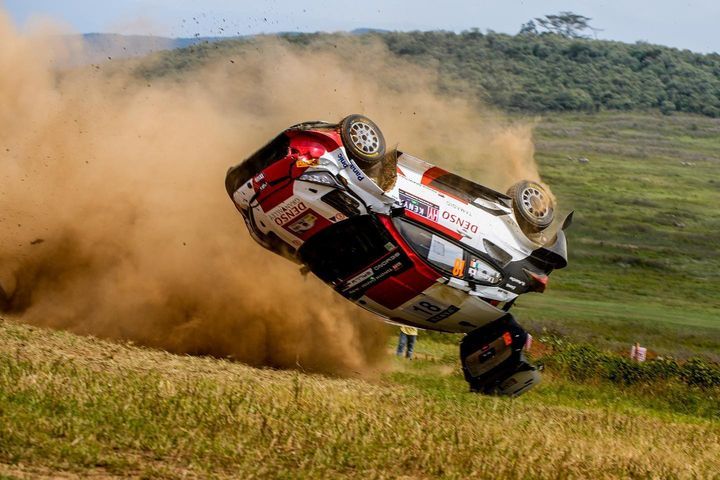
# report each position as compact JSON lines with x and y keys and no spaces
{"x":549,"y":71}
{"x":551,"y":65}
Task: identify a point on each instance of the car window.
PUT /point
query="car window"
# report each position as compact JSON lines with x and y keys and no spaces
{"x":447,"y":256}
{"x":434,"y":248}
{"x":443,"y":252}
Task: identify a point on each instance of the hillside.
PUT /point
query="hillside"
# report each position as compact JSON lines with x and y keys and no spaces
{"x":74,"y":406}
{"x":551,"y":72}
{"x":530,"y":73}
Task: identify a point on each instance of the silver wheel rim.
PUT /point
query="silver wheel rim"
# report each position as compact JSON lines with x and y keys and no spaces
{"x":535,"y":203}
{"x":364,"y":138}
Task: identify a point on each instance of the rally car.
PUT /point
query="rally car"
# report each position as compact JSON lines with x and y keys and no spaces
{"x":404,"y":239}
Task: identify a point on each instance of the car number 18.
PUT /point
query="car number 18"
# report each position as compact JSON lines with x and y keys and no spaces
{"x":431,"y":310}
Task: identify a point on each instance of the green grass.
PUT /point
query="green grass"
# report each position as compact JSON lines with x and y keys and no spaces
{"x":612,"y":324}
{"x":644,"y":246}
{"x":74,"y":405}
{"x":646,"y":226}
{"x":644,"y":266}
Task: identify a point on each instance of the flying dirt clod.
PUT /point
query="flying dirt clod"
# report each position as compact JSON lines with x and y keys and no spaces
{"x":120,"y":176}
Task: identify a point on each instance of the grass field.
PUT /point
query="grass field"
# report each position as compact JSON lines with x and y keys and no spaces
{"x":74,"y":406}
{"x":644,"y":245}
{"x":644,"y":267}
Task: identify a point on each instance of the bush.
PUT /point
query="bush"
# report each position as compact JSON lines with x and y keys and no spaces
{"x":585,"y":362}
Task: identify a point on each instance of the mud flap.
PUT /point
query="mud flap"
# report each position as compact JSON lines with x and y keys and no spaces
{"x":493,"y":360}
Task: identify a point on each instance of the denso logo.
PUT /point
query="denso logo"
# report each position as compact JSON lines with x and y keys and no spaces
{"x":358,"y":173}
{"x":285,"y":213}
{"x":461,"y":222}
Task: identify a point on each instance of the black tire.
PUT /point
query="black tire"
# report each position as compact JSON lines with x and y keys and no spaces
{"x":533,"y":206}
{"x":363,"y":140}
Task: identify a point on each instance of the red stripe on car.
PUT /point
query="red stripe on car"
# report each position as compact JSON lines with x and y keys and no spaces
{"x":431,"y":174}
{"x":398,"y":289}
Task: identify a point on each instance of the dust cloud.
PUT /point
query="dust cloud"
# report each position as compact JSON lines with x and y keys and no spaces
{"x":114,"y":220}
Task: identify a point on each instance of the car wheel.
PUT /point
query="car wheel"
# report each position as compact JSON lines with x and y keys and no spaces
{"x":534,"y":207}
{"x":363,"y":140}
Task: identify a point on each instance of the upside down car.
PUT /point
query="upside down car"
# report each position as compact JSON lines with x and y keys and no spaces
{"x":404,"y":239}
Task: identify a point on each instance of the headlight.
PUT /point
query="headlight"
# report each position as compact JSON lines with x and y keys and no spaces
{"x":322,"y":178}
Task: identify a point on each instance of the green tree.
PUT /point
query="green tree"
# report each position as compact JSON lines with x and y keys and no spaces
{"x":567,"y":24}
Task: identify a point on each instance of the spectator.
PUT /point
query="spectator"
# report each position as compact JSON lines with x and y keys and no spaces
{"x":408,"y":335}
{"x":638,"y":353}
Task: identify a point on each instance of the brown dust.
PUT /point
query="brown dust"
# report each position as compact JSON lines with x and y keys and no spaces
{"x":114,"y":220}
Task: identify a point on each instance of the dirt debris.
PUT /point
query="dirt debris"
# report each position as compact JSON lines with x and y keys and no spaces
{"x":125,"y":185}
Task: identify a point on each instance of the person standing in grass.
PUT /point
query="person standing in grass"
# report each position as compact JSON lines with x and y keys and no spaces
{"x":408,"y":335}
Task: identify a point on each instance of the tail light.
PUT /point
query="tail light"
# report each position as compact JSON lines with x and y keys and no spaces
{"x":538,"y":281}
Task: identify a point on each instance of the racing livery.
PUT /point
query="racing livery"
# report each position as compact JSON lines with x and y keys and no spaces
{"x":405,"y":239}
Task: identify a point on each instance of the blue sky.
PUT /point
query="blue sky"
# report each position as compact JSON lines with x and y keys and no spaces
{"x":684,"y":24}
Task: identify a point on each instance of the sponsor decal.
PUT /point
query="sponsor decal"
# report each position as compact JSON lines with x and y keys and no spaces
{"x":431,"y":310}
{"x":459,"y":267}
{"x":306,"y":224}
{"x":391,"y":264}
{"x":458,"y":208}
{"x":419,"y":206}
{"x":520,"y":282}
{"x":259,"y":183}
{"x":444,"y":314}
{"x":363,"y":276}
{"x":307,"y":162}
{"x":303,"y":224}
{"x":481,"y":270}
{"x":353,"y":168}
{"x":285,"y":212}
{"x":342,"y":160}
{"x":460,"y":221}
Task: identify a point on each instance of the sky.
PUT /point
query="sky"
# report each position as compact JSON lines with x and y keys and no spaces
{"x":689,"y":24}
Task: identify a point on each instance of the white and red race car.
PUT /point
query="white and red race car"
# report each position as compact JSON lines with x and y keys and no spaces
{"x":405,"y":239}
